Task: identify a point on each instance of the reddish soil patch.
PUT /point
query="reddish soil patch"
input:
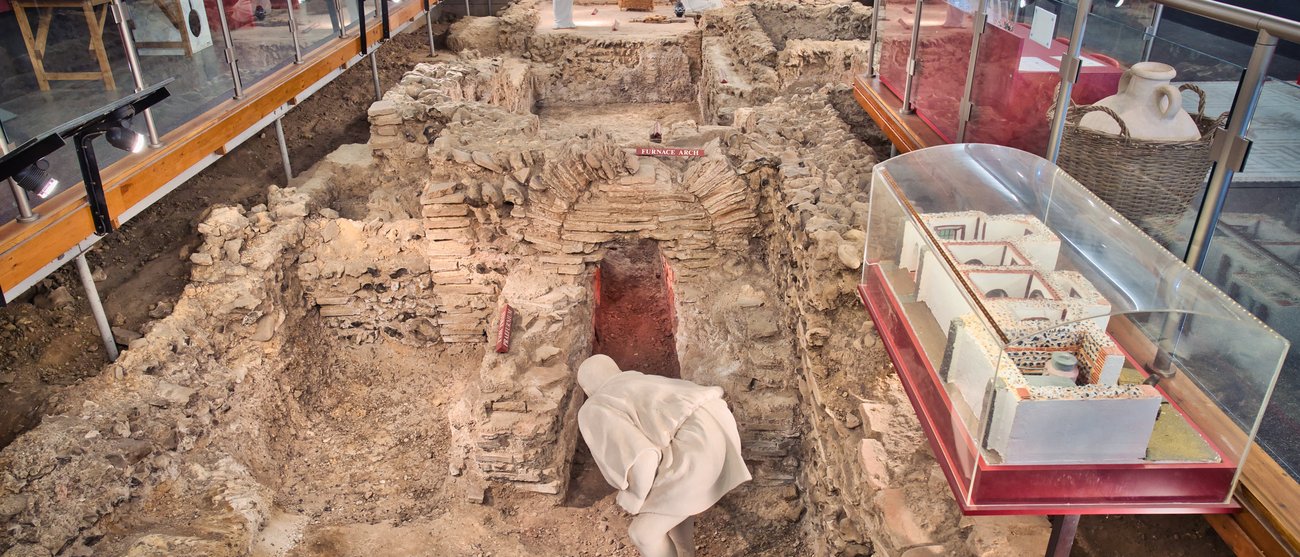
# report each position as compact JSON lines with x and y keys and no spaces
{"x":634,"y":314}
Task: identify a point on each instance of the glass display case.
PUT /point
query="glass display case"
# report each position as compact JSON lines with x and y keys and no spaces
{"x":1060,"y":361}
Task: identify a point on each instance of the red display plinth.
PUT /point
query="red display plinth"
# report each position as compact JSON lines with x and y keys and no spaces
{"x":1015,"y":83}
{"x":981,"y":487}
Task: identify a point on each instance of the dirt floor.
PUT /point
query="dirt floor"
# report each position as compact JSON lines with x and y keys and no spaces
{"x":634,"y":318}
{"x":357,"y":471}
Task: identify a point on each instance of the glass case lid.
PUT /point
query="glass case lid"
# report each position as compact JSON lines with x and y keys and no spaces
{"x":1131,"y":271}
{"x":1172,"y":318}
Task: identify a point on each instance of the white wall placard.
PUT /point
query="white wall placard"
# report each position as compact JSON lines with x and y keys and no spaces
{"x":1043,"y":28}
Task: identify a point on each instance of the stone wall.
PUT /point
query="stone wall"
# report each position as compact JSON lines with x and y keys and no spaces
{"x":494,"y":35}
{"x":519,"y":423}
{"x":144,"y":426}
{"x":826,"y":21}
{"x":739,"y":64}
{"x":869,"y":480}
{"x":580,"y":70}
{"x":813,"y":63}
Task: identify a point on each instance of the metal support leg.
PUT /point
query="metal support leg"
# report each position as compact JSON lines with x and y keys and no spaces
{"x":467,"y":14}
{"x":428,"y":22}
{"x":97,"y":308}
{"x":1229,"y":148}
{"x":1064,"y":527}
{"x":133,"y":63}
{"x":284,"y":151}
{"x":25,"y":214}
{"x":1069,"y":74}
{"x":374,"y":71}
{"x":912,"y":63}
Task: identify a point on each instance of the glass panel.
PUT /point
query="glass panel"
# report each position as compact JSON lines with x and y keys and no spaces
{"x":1255,"y":253}
{"x":895,"y":36}
{"x":44,"y":84}
{"x":1016,"y":78}
{"x":260,"y":32}
{"x":169,"y":47}
{"x":1156,"y":186}
{"x":1020,"y":266}
{"x":943,"y":50}
{"x":353,"y":14}
{"x":318,"y":22}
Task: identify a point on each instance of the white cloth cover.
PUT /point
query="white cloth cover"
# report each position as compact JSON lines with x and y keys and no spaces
{"x":697,"y":6}
{"x":563,"y":10}
{"x":685,"y":428}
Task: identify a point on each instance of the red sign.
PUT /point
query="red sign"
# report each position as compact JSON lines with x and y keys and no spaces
{"x":504,"y":326}
{"x":668,"y":152}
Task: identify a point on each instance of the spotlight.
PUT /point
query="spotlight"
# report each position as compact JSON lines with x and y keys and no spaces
{"x":36,"y":179}
{"x":125,"y":139}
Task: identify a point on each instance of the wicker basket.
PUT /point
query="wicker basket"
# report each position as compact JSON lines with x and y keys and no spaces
{"x":637,"y":5}
{"x":1152,"y":183}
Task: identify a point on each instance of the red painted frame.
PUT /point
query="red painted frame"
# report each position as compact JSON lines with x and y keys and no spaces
{"x":1180,"y":488}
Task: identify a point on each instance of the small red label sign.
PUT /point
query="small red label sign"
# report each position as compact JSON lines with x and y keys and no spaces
{"x":668,"y":152}
{"x":504,"y":326}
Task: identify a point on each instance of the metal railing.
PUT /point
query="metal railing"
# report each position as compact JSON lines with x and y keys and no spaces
{"x":225,"y":42}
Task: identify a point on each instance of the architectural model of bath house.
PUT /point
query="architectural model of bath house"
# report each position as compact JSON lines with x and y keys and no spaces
{"x":1054,"y":353}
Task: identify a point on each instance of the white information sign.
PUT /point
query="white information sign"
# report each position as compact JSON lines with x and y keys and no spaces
{"x":1043,"y":28}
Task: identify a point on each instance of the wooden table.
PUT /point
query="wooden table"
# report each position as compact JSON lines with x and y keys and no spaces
{"x":96,"y":14}
{"x":175,"y":13}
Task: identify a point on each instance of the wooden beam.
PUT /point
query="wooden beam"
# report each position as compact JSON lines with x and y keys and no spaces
{"x":906,"y":131}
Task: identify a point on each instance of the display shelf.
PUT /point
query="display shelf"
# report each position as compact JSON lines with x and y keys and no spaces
{"x":1059,"y":360}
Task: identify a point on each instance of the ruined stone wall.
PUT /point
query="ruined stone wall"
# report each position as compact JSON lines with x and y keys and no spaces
{"x":518,"y":424}
{"x":741,"y":341}
{"x":827,"y":21}
{"x":147,"y":421}
{"x":579,"y":70}
{"x":806,"y":63}
{"x":752,"y":52}
{"x":503,"y":33}
{"x":739,"y":62}
{"x":868,"y":477}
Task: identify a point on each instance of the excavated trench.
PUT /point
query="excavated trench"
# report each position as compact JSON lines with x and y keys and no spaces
{"x":635,"y":318}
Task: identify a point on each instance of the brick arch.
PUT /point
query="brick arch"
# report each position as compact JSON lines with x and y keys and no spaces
{"x":596,"y":192}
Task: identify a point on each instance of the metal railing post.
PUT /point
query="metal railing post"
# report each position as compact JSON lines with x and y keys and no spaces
{"x":1229,"y":148}
{"x":1069,"y":74}
{"x":873,"y":36}
{"x":293,"y":31}
{"x":341,"y":9}
{"x":133,"y":64}
{"x":967,"y":106}
{"x":25,"y":213}
{"x":1149,"y":38}
{"x":96,"y":307}
{"x":230,"y":49}
{"x":910,"y":81}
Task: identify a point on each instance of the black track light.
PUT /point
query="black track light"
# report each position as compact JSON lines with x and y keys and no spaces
{"x":125,"y":139}
{"x":36,"y":179}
